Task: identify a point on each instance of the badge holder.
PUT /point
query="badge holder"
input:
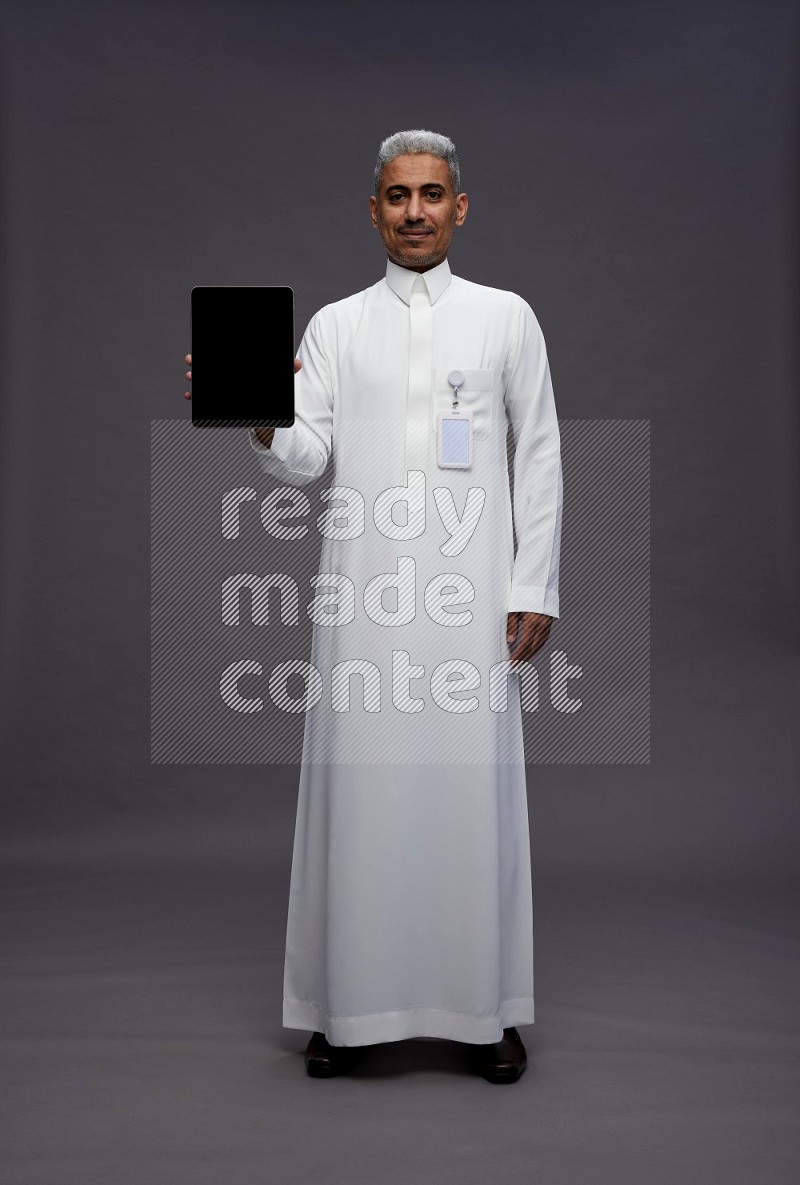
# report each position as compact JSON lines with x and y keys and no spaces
{"x":454,"y":431}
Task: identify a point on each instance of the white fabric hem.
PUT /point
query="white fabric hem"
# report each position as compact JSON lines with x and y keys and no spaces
{"x":377,"y":1027}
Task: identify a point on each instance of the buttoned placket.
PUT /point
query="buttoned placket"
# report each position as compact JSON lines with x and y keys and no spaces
{"x":420,"y":364}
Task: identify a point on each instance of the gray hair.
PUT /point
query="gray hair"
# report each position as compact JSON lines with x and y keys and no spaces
{"x":418,"y":140}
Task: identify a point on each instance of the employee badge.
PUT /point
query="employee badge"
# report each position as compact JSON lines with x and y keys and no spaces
{"x":454,"y":430}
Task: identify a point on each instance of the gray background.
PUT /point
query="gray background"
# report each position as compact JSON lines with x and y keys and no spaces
{"x":632,"y":171}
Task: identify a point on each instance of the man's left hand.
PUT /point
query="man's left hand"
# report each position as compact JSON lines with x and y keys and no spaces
{"x":531,"y":631}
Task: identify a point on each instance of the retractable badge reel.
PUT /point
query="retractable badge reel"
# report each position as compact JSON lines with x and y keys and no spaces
{"x":454,"y":430}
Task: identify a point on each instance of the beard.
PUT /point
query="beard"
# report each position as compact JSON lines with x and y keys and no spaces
{"x":416,"y":256}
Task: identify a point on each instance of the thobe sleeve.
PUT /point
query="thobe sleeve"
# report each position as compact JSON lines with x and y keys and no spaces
{"x":300,"y":453}
{"x":538,"y":485}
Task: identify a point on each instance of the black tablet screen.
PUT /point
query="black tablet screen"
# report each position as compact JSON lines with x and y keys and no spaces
{"x":242,"y":356}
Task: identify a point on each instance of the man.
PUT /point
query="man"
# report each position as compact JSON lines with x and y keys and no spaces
{"x":410,"y":910}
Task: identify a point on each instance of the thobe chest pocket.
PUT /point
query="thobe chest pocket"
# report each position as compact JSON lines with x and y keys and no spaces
{"x":476,"y":395}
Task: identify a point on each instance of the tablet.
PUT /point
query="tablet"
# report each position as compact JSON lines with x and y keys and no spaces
{"x":242,"y":356}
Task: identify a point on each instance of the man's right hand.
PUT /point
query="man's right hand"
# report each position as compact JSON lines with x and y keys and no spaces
{"x":264,"y":434}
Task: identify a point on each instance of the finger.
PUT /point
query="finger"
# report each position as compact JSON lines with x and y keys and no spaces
{"x":538,"y":640}
{"x":189,"y":375}
{"x":298,"y":365}
{"x":520,"y":655}
{"x":188,"y":359}
{"x":522,"y":628}
{"x":187,"y":394}
{"x":529,"y":641}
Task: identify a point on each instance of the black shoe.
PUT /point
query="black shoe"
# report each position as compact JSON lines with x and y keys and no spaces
{"x":324,"y":1060}
{"x":504,"y":1061}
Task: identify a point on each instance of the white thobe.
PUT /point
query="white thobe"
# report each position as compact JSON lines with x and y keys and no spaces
{"x":410,"y":907}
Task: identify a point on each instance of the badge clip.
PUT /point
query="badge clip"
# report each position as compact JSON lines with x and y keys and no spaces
{"x":454,"y":431}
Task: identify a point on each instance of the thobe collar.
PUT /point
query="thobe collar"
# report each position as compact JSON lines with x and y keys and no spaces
{"x":401,"y":280}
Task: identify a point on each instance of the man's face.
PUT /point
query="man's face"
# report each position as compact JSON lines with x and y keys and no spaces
{"x":416,"y":210}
